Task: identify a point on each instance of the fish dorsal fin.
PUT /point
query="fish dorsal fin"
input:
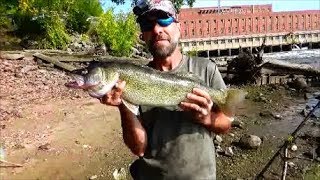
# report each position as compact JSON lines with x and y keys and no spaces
{"x":189,"y":75}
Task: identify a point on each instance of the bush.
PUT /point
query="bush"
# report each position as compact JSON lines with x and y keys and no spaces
{"x":119,"y":33}
{"x":51,"y":22}
{"x":78,"y":14}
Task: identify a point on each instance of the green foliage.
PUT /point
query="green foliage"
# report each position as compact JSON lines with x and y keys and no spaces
{"x":119,"y":33}
{"x":55,"y":33}
{"x":177,"y":3}
{"x":193,"y":52}
{"x":52,"y":21}
{"x":7,"y":9}
{"x":77,"y":19}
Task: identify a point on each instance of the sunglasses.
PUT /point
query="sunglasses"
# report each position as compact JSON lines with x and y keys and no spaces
{"x":148,"y":25}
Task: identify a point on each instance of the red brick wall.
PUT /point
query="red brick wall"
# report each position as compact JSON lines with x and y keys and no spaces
{"x":243,"y":20}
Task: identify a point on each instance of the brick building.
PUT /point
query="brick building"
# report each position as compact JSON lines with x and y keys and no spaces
{"x":244,"y":20}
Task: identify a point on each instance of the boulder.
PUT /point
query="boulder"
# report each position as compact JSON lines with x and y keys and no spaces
{"x":12,"y":56}
{"x":250,"y":141}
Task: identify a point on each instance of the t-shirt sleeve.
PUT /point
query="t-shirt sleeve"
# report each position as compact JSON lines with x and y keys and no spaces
{"x":216,"y":80}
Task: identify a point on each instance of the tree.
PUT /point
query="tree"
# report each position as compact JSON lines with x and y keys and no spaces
{"x":51,"y":21}
{"x":177,"y":3}
{"x":119,"y":32}
{"x":7,"y":9}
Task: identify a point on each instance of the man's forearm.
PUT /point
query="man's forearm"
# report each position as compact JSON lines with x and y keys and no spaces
{"x":134,"y":135}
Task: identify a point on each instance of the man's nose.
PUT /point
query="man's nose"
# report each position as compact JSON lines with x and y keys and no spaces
{"x":157,"y":29}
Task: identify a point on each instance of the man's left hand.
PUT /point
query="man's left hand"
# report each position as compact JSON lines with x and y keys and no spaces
{"x":199,"y":102}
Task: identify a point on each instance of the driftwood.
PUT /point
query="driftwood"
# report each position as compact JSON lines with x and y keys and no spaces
{"x":248,"y":67}
{"x":63,"y":61}
{"x":9,"y":164}
{"x":88,"y":58}
{"x":292,"y":137}
{"x":55,"y":62}
{"x":245,"y":66}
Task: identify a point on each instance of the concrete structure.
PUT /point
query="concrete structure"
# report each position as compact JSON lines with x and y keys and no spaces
{"x":217,"y":32}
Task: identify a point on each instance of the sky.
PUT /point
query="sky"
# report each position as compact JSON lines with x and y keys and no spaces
{"x":277,"y":5}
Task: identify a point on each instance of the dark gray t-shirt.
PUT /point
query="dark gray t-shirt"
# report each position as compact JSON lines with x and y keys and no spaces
{"x":178,"y":148}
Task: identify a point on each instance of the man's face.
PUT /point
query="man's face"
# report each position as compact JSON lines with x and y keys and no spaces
{"x":161,"y":40}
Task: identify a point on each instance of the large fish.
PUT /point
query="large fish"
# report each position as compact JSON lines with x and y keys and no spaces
{"x":147,"y":86}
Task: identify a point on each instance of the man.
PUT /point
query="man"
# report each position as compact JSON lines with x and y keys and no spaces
{"x":172,"y":143}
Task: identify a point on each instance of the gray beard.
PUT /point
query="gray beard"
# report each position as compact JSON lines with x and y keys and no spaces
{"x":164,"y":51}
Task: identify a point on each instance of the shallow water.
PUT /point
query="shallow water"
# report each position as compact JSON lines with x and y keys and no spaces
{"x":310,"y":56}
{"x":312,"y":102}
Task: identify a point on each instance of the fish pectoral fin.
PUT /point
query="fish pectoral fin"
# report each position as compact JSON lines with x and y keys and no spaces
{"x":132,"y":107}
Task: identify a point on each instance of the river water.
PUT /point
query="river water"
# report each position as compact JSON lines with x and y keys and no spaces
{"x":308,"y":56}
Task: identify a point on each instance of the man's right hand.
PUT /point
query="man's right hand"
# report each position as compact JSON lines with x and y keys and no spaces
{"x":113,"y":97}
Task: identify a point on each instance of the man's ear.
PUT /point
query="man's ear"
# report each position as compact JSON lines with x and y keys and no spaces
{"x":141,"y":37}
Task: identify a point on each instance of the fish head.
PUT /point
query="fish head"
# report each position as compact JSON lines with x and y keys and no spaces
{"x":97,"y":82}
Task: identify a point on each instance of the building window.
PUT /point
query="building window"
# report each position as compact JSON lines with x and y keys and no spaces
{"x":192,"y":32}
{"x":250,"y":39}
{"x":201,"y":43}
{"x":229,"y":40}
{"x":222,"y":31}
{"x":215,"y":42}
{"x":270,"y":38}
{"x":243,"y":40}
{"x":236,"y":40}
{"x":194,"y":43}
{"x":186,"y":44}
{"x":229,"y":29}
{"x":222,"y":41}
{"x":257,"y":39}
{"x":208,"y":42}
